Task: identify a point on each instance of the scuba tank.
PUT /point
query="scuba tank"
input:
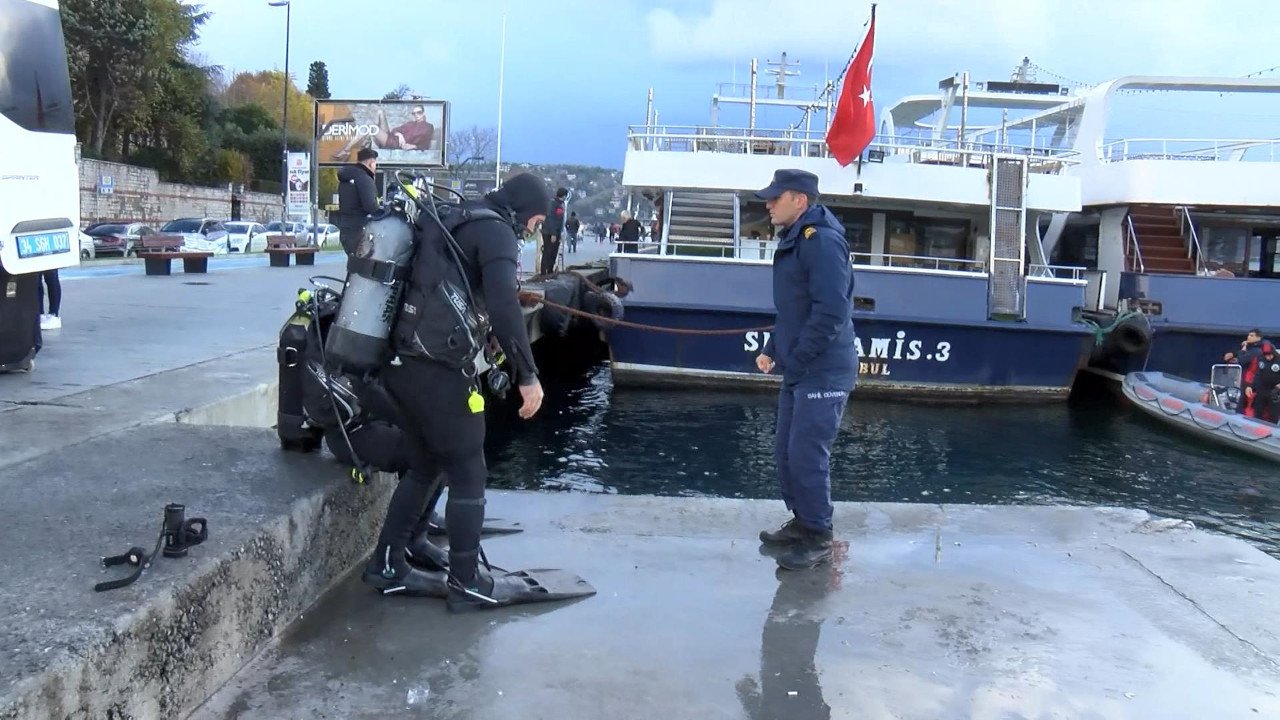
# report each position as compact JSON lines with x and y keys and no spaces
{"x":291,"y":421}
{"x":376,"y":272}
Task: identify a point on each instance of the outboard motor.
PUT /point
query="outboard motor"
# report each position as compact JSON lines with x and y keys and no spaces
{"x":376,"y":276}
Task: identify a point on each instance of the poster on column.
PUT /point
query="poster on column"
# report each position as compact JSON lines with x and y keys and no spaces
{"x":299,"y":185}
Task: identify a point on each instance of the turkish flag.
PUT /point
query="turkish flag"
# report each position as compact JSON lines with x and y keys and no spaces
{"x":854,"y":124}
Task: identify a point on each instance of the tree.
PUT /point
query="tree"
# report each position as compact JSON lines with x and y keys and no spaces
{"x":400,"y":92}
{"x":120,"y":53}
{"x":266,"y":89}
{"x":474,"y":141}
{"x":318,"y":81}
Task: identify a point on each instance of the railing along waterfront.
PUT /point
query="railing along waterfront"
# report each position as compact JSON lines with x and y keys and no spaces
{"x":801,"y":143}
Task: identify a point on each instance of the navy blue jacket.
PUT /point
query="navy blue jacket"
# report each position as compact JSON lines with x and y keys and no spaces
{"x":813,"y":340}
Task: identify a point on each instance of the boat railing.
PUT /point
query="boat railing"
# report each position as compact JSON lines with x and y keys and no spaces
{"x":1192,"y":149}
{"x":751,"y":249}
{"x":1056,"y":272}
{"x":919,"y":262}
{"x":1193,"y":247}
{"x":807,"y":143}
{"x":1132,"y":249}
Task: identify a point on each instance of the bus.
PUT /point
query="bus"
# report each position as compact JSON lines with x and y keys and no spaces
{"x":39,"y":170}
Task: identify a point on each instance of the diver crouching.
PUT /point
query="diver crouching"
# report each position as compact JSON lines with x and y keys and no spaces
{"x":459,"y":289}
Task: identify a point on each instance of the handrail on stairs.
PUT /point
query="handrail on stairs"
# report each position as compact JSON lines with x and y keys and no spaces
{"x":1131,"y":241}
{"x":1193,"y":247}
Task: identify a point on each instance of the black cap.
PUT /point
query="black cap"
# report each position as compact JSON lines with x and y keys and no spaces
{"x":562,"y":192}
{"x":366,"y":154}
{"x":525,"y":195}
{"x":798,"y":180}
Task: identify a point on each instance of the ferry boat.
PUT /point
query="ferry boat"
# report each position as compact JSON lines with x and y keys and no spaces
{"x":955,"y":297}
{"x":1179,"y":233}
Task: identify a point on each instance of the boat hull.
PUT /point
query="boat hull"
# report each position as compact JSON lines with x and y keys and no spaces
{"x":1178,"y":402}
{"x":903,"y":357}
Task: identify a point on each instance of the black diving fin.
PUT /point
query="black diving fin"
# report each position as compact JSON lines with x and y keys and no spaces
{"x":519,"y":588}
{"x":492,"y":526}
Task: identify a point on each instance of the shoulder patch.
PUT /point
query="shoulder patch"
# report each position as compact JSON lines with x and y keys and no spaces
{"x":810,"y":231}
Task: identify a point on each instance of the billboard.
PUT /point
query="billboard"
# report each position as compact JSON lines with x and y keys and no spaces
{"x":299,"y":203}
{"x":406,"y":133}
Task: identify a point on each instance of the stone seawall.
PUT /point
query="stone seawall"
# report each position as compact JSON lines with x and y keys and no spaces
{"x":137,"y":194}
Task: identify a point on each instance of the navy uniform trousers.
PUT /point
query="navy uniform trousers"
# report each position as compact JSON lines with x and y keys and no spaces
{"x":808,"y":420}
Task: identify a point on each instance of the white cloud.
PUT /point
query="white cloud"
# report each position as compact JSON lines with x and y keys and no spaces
{"x":1088,"y":39}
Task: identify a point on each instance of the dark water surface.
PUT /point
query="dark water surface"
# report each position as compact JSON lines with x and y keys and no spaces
{"x":591,"y":437}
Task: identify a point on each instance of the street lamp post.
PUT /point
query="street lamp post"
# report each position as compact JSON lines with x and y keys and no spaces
{"x":284,"y":125}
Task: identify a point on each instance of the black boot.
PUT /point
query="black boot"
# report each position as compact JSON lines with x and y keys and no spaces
{"x":388,"y":573}
{"x":424,"y":554}
{"x":811,"y":550}
{"x":790,"y":533}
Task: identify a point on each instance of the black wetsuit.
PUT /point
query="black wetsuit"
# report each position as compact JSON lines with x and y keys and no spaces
{"x":1264,"y":384}
{"x":444,"y":433}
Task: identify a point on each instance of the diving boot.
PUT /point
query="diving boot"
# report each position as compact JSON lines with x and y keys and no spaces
{"x":790,"y":533}
{"x":812,"y":549}
{"x":386,"y":576}
{"x":426,"y":555}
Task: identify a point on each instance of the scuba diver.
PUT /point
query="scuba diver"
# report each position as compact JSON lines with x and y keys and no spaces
{"x":436,"y":390}
{"x":1265,"y":384}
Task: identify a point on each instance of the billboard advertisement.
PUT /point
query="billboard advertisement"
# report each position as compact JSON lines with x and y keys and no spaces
{"x":406,"y":133}
{"x":299,"y":202}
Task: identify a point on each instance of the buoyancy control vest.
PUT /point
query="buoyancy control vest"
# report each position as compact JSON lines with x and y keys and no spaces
{"x":439,"y":318}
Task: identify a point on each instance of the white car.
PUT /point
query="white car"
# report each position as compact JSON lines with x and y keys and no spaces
{"x":199,"y":234}
{"x":322,"y":235}
{"x":246,"y":237}
{"x":295,"y":230}
{"x":87,"y":251}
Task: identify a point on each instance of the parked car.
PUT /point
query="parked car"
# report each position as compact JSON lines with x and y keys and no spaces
{"x":199,"y":234}
{"x":117,"y":238}
{"x":87,"y":251}
{"x":322,"y":235}
{"x":246,"y":236}
{"x":296,"y":231}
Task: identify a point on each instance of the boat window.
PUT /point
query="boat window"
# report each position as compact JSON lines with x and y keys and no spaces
{"x":1078,"y":247}
{"x":1226,"y":248}
{"x":928,"y":237}
{"x":857,"y":227}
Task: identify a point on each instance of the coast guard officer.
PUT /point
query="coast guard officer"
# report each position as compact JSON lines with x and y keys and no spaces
{"x":813,"y":347}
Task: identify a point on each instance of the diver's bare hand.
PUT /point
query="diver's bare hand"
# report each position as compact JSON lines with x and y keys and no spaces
{"x":532,"y":396}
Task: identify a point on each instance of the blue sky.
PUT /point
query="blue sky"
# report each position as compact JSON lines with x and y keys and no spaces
{"x":577,"y":71}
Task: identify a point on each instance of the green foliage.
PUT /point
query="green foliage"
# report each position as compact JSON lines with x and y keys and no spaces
{"x":266,"y":89}
{"x":318,"y":81}
{"x":141,"y":97}
{"x":230,"y":166}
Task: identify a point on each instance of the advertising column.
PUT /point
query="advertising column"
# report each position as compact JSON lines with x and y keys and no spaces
{"x":299,"y":204}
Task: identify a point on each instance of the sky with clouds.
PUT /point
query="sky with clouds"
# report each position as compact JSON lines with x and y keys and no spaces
{"x":577,"y":71}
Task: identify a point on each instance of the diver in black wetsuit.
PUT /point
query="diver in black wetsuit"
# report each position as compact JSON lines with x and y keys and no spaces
{"x":1265,"y":384}
{"x":442,"y":414}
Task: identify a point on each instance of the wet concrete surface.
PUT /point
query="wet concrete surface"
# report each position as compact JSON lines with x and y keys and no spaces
{"x":282,"y":527}
{"x":930,"y":612}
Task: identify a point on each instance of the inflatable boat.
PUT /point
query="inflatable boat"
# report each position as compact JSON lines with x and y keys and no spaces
{"x":1206,"y":409}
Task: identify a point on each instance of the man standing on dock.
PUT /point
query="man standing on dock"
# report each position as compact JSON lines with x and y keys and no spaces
{"x":813,"y":347}
{"x":357,"y":198}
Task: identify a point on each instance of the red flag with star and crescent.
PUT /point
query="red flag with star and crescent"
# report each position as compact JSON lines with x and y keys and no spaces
{"x":854,"y":124}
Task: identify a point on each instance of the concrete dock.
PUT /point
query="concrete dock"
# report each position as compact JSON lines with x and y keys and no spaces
{"x":930,"y":612}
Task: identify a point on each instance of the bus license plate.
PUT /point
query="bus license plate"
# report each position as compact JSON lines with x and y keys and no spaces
{"x":43,"y":244}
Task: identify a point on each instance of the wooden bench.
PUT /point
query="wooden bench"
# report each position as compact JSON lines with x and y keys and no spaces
{"x":280,"y":255}
{"x":159,"y":262}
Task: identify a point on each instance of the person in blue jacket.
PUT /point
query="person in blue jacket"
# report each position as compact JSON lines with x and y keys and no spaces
{"x":813,"y":348}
